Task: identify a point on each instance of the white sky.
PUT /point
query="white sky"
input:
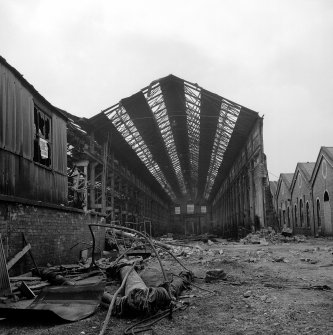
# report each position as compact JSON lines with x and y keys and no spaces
{"x":273,"y":56}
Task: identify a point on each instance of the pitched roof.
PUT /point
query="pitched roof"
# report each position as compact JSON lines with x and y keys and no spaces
{"x":31,"y":88}
{"x":307,"y":169}
{"x":287,"y":178}
{"x":328,"y":151}
{"x":273,"y":186}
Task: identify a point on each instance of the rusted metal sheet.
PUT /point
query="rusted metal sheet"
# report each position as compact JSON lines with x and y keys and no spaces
{"x":69,"y":303}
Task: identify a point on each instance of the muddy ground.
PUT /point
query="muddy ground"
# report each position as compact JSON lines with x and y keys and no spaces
{"x":273,"y":289}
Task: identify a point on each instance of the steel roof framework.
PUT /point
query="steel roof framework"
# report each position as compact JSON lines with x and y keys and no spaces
{"x":122,"y":121}
{"x":181,"y":133}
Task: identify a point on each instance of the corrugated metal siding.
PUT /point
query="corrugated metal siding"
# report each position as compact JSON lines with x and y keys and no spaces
{"x":22,"y":178}
{"x":19,"y":175}
{"x":59,"y":139}
{"x":16,"y":115}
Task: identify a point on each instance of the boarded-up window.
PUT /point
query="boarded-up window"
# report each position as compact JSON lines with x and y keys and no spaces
{"x":42,"y":137}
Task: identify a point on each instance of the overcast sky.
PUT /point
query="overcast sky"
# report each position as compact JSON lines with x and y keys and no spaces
{"x":275,"y":57}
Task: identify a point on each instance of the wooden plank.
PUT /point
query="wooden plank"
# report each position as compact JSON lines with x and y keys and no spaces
{"x":18,"y":256}
{"x":24,"y":278}
{"x":4,"y":278}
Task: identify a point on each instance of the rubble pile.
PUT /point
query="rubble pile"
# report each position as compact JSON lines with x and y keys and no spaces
{"x":74,"y":291}
{"x":267,"y":236}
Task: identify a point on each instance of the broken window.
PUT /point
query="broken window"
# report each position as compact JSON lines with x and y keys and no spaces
{"x":42,"y":137}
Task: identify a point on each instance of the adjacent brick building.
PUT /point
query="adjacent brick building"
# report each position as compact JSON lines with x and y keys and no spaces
{"x":322,"y":192}
{"x":301,"y":199}
{"x":283,"y":200}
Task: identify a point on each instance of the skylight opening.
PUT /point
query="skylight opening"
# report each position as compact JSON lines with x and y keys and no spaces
{"x":155,"y":100}
{"x":226,"y":123}
{"x":121,"y":120}
{"x":193,"y":104}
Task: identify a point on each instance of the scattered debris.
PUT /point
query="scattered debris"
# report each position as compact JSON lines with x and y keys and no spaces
{"x":247,"y":294}
{"x":266,"y":236}
{"x":18,"y":256}
{"x":213,"y":275}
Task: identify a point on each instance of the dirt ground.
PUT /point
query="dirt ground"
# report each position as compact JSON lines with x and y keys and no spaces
{"x":269,"y":289}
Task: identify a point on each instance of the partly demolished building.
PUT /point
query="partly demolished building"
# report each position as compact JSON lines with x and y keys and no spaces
{"x":33,"y":175}
{"x":171,"y":158}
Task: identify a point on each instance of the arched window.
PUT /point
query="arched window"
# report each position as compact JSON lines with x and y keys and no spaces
{"x":326,"y":196}
{"x":301,"y":216}
{"x":307,"y":209}
{"x":284,"y":217}
{"x":295,"y":215}
{"x":288,"y":216}
{"x":318,"y":213}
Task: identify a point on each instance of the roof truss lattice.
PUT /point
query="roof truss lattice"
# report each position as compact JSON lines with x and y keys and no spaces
{"x":186,"y":136}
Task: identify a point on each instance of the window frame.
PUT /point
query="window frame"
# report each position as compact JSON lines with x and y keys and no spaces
{"x":42,"y":131}
{"x":190,"y":206}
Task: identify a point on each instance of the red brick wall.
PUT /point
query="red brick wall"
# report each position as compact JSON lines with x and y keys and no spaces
{"x":320,"y":184}
{"x":302,"y":190}
{"x":51,"y":232}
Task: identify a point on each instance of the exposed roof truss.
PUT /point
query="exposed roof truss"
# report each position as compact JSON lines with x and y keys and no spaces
{"x":181,"y":132}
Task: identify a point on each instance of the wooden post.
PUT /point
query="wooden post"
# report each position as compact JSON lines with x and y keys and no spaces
{"x":112,"y":185}
{"x":104,"y":172}
{"x":92,"y":185}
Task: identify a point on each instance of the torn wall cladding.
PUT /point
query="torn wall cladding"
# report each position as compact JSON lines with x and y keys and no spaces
{"x":33,"y":162}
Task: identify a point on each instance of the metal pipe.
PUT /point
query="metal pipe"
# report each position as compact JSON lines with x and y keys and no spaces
{"x":135,"y":232}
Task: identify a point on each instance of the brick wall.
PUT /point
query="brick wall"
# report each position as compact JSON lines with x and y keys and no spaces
{"x":302,"y":190}
{"x":323,"y":182}
{"x":283,"y":202}
{"x":52,"y":233}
